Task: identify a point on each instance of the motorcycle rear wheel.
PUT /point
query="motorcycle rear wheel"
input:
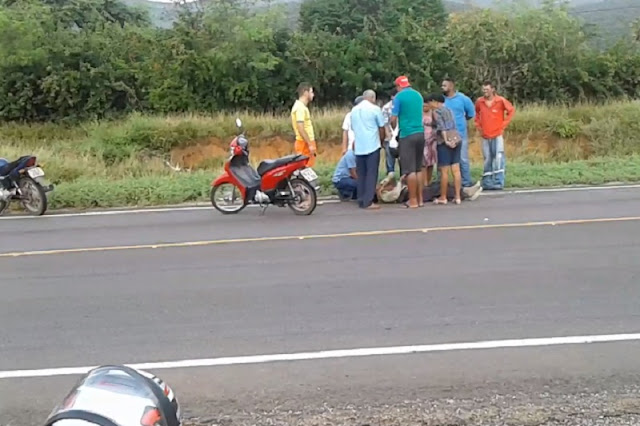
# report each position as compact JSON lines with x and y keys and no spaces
{"x":305,"y":198}
{"x":215,"y":194}
{"x":36,"y":202}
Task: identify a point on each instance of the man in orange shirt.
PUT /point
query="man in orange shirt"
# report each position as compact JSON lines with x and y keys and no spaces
{"x":493,"y":115}
{"x":302,"y":126}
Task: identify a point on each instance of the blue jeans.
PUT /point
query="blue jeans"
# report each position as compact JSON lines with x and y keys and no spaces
{"x":367,"y":167}
{"x":494,"y":163}
{"x":389,"y":160}
{"x":347,"y":188}
{"x":465,"y":166}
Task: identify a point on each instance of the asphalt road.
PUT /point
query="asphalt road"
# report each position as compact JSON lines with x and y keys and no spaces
{"x":254,"y":298}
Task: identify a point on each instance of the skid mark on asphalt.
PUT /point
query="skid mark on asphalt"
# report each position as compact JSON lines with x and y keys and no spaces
{"x":319,"y":236}
{"x":342,"y":353}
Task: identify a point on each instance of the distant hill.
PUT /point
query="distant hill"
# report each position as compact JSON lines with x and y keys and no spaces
{"x":607,"y":19}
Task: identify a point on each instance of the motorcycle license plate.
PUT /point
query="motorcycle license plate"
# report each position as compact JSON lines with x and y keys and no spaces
{"x":35,"y":172}
{"x":309,"y":174}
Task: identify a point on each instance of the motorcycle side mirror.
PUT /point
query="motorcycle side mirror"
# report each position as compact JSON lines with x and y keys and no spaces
{"x":238,"y":123}
{"x":155,"y":403}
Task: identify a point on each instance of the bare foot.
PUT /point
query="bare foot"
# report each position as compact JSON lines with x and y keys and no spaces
{"x":373,"y":207}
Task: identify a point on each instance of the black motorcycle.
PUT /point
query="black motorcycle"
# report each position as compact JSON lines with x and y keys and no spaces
{"x":23,"y":180}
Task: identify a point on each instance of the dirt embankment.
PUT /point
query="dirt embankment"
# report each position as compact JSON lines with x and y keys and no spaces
{"x":542,"y":145}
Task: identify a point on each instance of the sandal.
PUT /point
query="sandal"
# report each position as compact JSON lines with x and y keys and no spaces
{"x":458,"y":201}
{"x":439,"y":201}
{"x":407,"y":206}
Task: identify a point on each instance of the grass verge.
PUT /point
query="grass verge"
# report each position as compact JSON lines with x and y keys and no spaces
{"x":122,"y":163}
{"x":179,"y":188}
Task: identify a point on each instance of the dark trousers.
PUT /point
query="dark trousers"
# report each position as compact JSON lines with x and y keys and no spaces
{"x":347,"y":188}
{"x":367,"y":167}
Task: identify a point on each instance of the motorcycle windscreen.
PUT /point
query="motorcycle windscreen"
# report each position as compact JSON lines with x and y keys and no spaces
{"x":118,"y":394}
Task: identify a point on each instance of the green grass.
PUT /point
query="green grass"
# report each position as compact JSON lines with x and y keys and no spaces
{"x":179,"y":188}
{"x":121,"y":163}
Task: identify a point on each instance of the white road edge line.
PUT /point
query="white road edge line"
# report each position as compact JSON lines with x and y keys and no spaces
{"x":342,"y":353}
{"x":134,"y":211}
{"x":329,"y":201}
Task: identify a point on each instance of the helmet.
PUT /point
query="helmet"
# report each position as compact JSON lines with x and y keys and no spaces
{"x":118,"y":396}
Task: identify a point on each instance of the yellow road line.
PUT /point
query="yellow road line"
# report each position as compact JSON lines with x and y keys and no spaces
{"x":319,"y":236}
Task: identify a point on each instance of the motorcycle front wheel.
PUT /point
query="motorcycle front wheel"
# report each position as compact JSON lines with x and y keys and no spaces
{"x":33,"y":197}
{"x":304,"y":197}
{"x":225,"y":196}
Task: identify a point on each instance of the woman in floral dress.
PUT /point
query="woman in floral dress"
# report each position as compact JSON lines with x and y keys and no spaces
{"x":430,"y":150}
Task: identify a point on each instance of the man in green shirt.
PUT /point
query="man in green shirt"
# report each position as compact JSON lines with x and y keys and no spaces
{"x":407,"y":113}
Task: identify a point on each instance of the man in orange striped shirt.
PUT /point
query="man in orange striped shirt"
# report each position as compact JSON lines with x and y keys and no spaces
{"x":493,"y":115}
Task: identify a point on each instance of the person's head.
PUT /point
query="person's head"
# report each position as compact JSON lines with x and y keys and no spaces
{"x":426,"y":106}
{"x":435,"y":100}
{"x":488,"y":90}
{"x":305,"y":92}
{"x":392,"y":93}
{"x":358,"y":100}
{"x":402,"y":83}
{"x":448,"y":86}
{"x":369,"y":95}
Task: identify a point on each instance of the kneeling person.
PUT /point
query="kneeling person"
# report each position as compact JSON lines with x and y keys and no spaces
{"x":345,"y":177}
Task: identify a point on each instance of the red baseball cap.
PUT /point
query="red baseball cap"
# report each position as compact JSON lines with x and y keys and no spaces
{"x":402,"y":82}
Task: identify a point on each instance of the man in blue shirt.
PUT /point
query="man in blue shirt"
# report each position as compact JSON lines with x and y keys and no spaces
{"x":367,"y":124}
{"x":345,"y":176}
{"x":463,"y":110}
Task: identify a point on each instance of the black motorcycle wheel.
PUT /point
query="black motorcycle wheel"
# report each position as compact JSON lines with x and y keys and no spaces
{"x":305,"y":198}
{"x":33,"y":197}
{"x":3,"y":206}
{"x":215,"y":194}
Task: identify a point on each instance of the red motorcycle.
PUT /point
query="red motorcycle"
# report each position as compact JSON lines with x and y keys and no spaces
{"x":286,"y":181}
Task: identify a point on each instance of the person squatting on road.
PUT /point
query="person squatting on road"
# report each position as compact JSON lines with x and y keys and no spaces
{"x":493,"y":115}
{"x":302,"y":126}
{"x":449,"y":145}
{"x":463,"y":110}
{"x":367,"y":123}
{"x":407,"y":114}
{"x":345,"y":177}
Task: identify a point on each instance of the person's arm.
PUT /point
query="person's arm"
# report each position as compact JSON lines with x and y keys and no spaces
{"x":395,"y":111}
{"x":381,"y":125}
{"x":387,"y":124}
{"x":477,"y":117}
{"x":511,"y":111}
{"x":346,"y":124}
{"x":351,"y":165}
{"x":469,"y":109}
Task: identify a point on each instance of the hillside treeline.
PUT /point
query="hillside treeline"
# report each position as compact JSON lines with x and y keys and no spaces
{"x":90,"y":59}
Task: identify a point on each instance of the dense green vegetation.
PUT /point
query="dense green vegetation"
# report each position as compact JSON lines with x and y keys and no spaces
{"x":90,"y":59}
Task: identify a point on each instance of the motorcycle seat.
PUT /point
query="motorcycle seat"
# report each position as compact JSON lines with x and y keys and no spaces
{"x":7,"y":167}
{"x":268,"y":165}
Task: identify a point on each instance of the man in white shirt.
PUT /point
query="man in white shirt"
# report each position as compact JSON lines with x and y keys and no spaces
{"x":391,"y":136}
{"x":347,"y":134}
